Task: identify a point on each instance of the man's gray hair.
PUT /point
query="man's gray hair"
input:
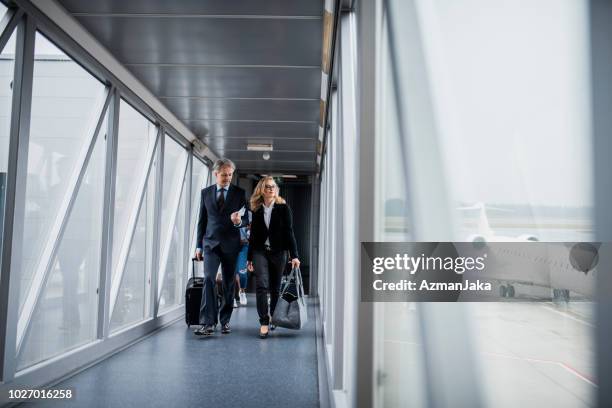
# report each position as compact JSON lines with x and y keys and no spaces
{"x":222,"y":163}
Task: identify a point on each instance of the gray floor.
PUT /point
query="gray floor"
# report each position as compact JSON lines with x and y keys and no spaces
{"x":174,"y":368}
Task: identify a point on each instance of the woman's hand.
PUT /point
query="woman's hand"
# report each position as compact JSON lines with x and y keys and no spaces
{"x":295,"y":263}
{"x":250,"y":266}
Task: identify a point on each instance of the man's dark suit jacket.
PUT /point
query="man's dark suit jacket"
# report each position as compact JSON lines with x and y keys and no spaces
{"x":215,"y":227}
{"x":280,"y":232}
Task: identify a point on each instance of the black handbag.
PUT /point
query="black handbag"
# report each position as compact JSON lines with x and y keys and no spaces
{"x":291,"y":311}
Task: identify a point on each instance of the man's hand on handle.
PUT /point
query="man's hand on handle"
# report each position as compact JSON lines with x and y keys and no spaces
{"x":250,"y":266}
{"x":295,"y":263}
{"x":198,"y":254}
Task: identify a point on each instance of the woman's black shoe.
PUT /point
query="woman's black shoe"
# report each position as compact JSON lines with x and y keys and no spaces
{"x":263,"y":335}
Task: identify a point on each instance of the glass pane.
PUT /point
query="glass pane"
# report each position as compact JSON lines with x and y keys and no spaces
{"x":66,"y":316}
{"x":173,"y":285}
{"x":136,"y":141}
{"x":65,"y":107}
{"x":7,"y":67}
{"x":199,"y":181}
{"x":172,"y":226}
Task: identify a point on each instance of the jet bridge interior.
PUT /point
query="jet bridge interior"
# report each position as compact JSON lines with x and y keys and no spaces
{"x":380,"y":120}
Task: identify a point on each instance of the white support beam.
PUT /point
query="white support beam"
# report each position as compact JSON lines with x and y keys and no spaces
{"x":108,"y":215}
{"x":187,"y":221}
{"x":152,"y":300}
{"x":47,"y":255}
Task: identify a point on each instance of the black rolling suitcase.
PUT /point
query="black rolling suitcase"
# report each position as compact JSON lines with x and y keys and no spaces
{"x":193,"y":298}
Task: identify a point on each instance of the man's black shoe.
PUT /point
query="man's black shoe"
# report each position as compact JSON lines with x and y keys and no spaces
{"x":226,"y":328}
{"x":206,"y":330}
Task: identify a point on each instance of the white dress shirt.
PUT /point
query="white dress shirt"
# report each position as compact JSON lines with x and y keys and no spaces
{"x":267,"y":216}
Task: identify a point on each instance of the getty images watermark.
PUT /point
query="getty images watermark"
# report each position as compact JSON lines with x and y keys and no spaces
{"x":465,"y":271}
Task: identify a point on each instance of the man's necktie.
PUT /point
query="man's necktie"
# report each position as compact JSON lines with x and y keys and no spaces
{"x":221,"y":199}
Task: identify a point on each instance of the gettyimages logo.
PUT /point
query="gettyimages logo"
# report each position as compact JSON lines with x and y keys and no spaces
{"x":415,"y":264}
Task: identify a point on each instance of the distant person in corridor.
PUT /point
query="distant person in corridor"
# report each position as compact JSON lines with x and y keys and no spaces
{"x":271,"y":237}
{"x":222,"y":213}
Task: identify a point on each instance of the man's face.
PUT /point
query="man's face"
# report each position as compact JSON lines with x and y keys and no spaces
{"x":224,"y":176}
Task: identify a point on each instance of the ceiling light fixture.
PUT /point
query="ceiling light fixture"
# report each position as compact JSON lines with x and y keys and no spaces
{"x":260,"y":147}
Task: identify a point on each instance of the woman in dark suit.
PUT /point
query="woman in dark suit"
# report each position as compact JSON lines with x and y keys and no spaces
{"x":271,"y":237}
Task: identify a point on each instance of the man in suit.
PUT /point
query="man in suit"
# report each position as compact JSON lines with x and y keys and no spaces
{"x":218,"y":242}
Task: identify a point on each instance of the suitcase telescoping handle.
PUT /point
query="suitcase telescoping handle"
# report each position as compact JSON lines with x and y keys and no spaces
{"x":193,"y":261}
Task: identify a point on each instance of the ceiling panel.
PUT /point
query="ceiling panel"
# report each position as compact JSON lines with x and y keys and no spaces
{"x":242,"y":7}
{"x":228,"y":144}
{"x":224,"y":41}
{"x":244,"y":109}
{"x":235,"y":72}
{"x":207,"y":128}
{"x":230,"y":82}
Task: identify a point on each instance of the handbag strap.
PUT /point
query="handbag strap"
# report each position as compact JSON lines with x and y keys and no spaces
{"x":286,"y":287}
{"x":298,"y":281}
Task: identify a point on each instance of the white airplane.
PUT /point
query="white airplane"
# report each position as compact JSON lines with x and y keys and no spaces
{"x":526,"y":265}
{"x":485,"y":232}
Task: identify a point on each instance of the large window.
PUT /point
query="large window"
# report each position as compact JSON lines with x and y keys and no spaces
{"x":487,"y":102}
{"x":61,"y":247}
{"x":513,"y":110}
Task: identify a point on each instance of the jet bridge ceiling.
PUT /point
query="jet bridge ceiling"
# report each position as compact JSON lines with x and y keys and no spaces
{"x":235,"y":72}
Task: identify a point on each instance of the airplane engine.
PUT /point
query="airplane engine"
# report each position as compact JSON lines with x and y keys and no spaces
{"x":477,"y":238}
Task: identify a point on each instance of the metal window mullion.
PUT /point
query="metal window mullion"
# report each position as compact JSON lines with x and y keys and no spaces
{"x":166,"y":245}
{"x":117,"y":276}
{"x":54,"y":240}
{"x":340,"y":287}
{"x":363,"y":385}
{"x":11,"y":18}
{"x":600,"y":30}
{"x":15,"y":198}
{"x":108,"y":216}
{"x":159,"y":189}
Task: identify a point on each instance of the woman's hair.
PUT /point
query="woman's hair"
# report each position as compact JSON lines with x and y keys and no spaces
{"x":257,"y":198}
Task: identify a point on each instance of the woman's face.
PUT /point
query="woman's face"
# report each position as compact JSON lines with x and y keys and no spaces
{"x":270,"y":189}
